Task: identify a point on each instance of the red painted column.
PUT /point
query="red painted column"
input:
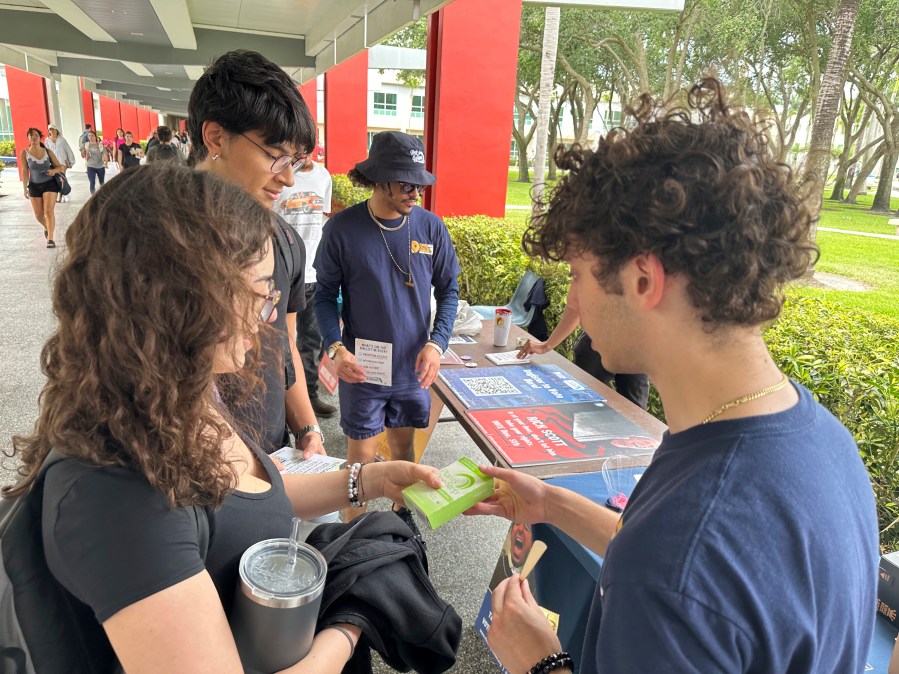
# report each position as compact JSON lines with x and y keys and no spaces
{"x":27,"y":105}
{"x":143,"y":123}
{"x":87,"y":105}
{"x":110,"y":116}
{"x":471,"y":160}
{"x":154,"y":120}
{"x":129,"y":120}
{"x":182,"y":125}
{"x":346,"y":114}
{"x":309,"y":92}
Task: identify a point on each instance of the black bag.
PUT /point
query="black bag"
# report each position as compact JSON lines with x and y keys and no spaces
{"x":62,"y":184}
{"x":43,"y":628}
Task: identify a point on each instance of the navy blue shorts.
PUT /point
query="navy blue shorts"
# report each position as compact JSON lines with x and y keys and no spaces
{"x":365,"y":409}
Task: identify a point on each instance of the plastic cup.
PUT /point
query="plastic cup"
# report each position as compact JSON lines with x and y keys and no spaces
{"x":502,"y":324}
{"x":276,"y":605}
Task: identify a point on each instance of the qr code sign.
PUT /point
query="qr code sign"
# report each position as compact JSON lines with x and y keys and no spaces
{"x":490,"y":386}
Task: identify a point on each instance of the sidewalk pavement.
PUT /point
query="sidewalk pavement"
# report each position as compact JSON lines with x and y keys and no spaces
{"x":461,"y":554}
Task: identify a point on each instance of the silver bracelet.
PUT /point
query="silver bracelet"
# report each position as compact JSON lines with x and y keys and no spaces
{"x":353,"y":485}
{"x":346,"y":633}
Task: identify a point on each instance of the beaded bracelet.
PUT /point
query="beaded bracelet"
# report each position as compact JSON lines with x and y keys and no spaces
{"x":353,"y":485}
{"x":552,"y":662}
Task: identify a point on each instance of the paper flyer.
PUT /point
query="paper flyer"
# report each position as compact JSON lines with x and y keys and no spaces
{"x":376,"y":358}
{"x":462,"y":339}
{"x":498,"y":387}
{"x":507,"y":358}
{"x":450,"y":357}
{"x":541,"y":434}
{"x":327,"y":374}
{"x":294,"y":464}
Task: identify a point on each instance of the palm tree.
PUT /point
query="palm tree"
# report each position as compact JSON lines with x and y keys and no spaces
{"x":829,"y":96}
{"x":547,"y":78}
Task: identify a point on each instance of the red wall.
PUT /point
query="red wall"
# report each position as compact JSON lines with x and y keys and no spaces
{"x":154,"y":120}
{"x":309,"y":92}
{"x":346,"y":113}
{"x":87,"y":105}
{"x":143,"y":123}
{"x":110,"y":116}
{"x":471,"y":160}
{"x":27,"y":105}
{"x":129,"y":120}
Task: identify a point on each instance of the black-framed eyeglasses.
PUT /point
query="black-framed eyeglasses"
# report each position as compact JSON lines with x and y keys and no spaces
{"x":272,"y":297}
{"x":282,"y":162}
{"x":406,"y":188}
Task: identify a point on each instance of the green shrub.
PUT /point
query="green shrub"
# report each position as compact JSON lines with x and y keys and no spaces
{"x":493,"y":262}
{"x":344,"y":194}
{"x":850,"y":361}
{"x":7,"y":148}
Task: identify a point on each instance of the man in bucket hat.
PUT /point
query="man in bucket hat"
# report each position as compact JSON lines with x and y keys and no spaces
{"x":385,"y":255}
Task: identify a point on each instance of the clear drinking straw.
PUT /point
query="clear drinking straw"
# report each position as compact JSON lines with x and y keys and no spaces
{"x":294,"y":544}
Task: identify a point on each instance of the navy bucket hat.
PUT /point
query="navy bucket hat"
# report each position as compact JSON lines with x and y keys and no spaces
{"x":396,"y":157}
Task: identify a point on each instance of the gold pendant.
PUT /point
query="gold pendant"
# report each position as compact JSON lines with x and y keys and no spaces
{"x":410,"y":283}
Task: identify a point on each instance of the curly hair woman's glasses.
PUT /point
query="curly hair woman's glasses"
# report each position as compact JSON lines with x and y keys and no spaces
{"x":272,"y":297}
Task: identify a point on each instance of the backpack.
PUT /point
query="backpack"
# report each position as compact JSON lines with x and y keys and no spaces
{"x":43,"y":628}
{"x":167,"y":152}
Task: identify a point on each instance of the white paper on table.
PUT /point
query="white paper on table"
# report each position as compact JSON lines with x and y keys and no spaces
{"x":376,"y":358}
{"x":507,"y":358}
{"x":294,"y":463}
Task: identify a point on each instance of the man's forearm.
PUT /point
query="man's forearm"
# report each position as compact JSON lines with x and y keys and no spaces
{"x":567,"y":323}
{"x":445,"y":316}
{"x":589,"y":523}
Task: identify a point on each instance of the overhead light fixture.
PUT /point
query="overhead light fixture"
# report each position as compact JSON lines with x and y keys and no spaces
{"x":118,"y":11}
{"x":138,"y":34}
{"x":168,"y":73}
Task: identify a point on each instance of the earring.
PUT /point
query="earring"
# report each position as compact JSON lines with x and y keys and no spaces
{"x":214,"y":157}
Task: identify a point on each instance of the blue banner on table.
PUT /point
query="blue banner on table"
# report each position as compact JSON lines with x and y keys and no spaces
{"x":528,"y":436}
{"x":511,"y":386}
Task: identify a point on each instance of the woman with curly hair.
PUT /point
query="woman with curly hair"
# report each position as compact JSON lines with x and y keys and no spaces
{"x":151,"y":317}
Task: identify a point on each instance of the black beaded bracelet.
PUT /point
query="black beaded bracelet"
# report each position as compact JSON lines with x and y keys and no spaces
{"x":553,"y":662}
{"x":353,"y":485}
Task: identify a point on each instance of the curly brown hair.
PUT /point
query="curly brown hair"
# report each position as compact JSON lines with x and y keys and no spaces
{"x":152,"y":284}
{"x":698,"y":187}
{"x":359,"y":180}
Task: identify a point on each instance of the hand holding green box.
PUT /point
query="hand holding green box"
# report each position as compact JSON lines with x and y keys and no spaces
{"x":463,"y":486}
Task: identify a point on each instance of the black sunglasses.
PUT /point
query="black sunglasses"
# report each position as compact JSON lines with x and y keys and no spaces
{"x":406,"y":188}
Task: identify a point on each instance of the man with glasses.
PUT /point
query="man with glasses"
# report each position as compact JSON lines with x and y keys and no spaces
{"x":385,"y":255}
{"x":252,"y":127}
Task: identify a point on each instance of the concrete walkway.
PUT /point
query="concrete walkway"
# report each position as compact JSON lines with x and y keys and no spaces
{"x":462,"y":553}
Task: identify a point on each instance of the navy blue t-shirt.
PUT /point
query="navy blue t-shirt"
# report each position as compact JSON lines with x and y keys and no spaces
{"x":749,"y":545}
{"x":377,"y":303}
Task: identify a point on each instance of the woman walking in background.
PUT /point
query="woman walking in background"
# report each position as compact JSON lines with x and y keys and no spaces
{"x":97,"y":159}
{"x":119,"y":140}
{"x":60,"y":147}
{"x":39,"y":170}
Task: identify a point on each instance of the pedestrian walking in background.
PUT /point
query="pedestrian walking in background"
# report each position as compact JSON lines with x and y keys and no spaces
{"x":97,"y":159}
{"x":60,"y":147}
{"x":39,"y":170}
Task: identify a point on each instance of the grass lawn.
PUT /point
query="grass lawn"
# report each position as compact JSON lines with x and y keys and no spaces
{"x":857,"y":218}
{"x":871,"y":261}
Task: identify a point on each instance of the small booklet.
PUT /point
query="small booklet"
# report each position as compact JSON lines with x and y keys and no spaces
{"x":463,"y":486}
{"x":507,"y":358}
{"x":376,"y":358}
{"x":294,"y":463}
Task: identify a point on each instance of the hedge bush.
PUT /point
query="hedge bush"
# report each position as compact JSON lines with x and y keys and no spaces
{"x":7,"y":148}
{"x":344,"y":194}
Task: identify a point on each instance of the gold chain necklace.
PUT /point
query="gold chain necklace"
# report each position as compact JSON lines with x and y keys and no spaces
{"x":382,"y":229}
{"x":747,"y":398}
{"x":371,"y":213}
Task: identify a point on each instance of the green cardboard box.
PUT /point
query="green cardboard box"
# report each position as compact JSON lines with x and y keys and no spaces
{"x":463,"y":486}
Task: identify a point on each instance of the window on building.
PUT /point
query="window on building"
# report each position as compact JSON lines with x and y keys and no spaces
{"x":513,"y":153}
{"x":6,"y":132}
{"x":385,"y":104}
{"x":418,"y":106}
{"x":528,"y":120}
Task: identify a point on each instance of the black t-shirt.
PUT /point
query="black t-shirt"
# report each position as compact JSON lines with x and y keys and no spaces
{"x":266,"y":415}
{"x":111,"y":539}
{"x":128,"y":159}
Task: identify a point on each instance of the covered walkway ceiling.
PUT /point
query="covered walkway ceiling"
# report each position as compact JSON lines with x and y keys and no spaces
{"x":149,"y":52}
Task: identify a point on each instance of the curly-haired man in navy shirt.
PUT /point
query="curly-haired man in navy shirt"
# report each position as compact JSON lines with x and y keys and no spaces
{"x":750,"y":542}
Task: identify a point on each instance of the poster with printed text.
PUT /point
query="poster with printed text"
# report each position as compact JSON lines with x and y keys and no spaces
{"x":516,"y":386}
{"x":541,"y":434}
